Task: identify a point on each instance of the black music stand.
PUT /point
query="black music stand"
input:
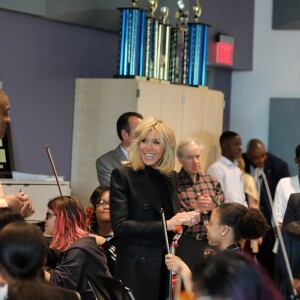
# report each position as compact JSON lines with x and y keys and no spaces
{"x":109,"y":288}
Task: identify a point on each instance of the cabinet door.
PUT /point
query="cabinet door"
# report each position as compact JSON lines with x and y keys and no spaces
{"x":98,"y":105}
{"x":202,"y":119}
{"x":161,"y":100}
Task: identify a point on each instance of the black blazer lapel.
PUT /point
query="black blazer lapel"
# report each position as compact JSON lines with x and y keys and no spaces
{"x":172,"y":189}
{"x":145,"y":186}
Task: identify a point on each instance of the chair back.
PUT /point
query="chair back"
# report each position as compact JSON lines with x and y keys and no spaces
{"x":109,"y":288}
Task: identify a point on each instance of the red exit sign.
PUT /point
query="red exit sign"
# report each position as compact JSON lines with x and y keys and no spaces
{"x":224,"y":50}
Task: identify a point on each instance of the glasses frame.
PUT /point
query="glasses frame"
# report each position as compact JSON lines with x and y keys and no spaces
{"x":102,"y":202}
{"x":49,"y":215}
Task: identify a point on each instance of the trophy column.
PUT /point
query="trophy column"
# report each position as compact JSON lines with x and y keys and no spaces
{"x":179,"y":48}
{"x":198,"y":34}
{"x":197,"y":54}
{"x":132,"y":42}
{"x":162,"y":48}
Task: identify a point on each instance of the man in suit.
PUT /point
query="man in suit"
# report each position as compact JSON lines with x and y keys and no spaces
{"x":292,"y":212}
{"x":126,"y":125}
{"x":257,"y":163}
{"x":18,"y":202}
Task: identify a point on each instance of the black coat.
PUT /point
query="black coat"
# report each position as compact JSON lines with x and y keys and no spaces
{"x":274,"y":169}
{"x":292,"y":212}
{"x":135,"y":216}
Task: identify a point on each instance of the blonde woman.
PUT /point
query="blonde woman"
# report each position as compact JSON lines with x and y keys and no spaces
{"x":138,"y":191}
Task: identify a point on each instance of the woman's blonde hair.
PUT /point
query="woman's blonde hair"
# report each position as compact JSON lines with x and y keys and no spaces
{"x":167,"y":139}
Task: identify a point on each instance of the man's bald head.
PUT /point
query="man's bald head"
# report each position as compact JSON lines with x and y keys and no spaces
{"x":256,"y":152}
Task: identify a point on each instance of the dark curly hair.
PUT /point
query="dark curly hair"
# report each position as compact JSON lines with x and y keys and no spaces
{"x":245,"y":223}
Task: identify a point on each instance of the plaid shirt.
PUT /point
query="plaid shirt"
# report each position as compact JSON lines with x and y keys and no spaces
{"x":189,"y":191}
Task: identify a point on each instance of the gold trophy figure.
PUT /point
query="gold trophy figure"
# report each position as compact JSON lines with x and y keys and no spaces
{"x":197,"y":10}
{"x":152,"y":6}
{"x":161,"y":66}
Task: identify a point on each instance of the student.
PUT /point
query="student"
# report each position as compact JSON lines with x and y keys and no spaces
{"x":234,"y":276}
{"x":229,"y":223}
{"x":100,"y":222}
{"x":225,"y":169}
{"x":291,"y":239}
{"x":22,"y":258}
{"x":285,"y":187}
{"x":81,"y":253}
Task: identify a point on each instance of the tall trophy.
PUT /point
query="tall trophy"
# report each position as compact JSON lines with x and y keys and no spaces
{"x":162,"y":51}
{"x":197,"y":49}
{"x":179,"y":47}
{"x":152,"y":24}
{"x":132,"y":41}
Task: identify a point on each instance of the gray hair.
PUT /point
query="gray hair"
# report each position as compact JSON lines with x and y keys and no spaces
{"x":185,"y":142}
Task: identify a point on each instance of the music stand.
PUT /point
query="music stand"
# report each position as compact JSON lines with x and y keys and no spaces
{"x":109,"y":288}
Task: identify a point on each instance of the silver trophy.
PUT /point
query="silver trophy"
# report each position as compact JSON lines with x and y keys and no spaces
{"x":152,"y":24}
{"x":162,"y":54}
{"x":179,"y":47}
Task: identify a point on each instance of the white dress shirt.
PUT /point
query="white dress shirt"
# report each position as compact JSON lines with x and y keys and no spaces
{"x":285,"y":187}
{"x":230,"y":177}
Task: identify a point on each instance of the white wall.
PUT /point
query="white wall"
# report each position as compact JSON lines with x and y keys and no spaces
{"x":276,"y":73}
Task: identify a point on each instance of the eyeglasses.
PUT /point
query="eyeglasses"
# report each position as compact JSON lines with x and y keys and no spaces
{"x":49,"y":214}
{"x":102,"y":202}
{"x":209,"y":223}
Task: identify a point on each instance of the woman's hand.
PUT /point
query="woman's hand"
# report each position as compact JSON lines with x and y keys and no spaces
{"x":185,"y":218}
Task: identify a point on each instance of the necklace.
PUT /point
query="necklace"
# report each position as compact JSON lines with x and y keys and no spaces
{"x":234,"y":247}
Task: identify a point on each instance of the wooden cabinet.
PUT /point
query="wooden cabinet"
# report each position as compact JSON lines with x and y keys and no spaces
{"x":192,"y":112}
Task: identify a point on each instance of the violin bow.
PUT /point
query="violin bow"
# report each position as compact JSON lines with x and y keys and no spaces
{"x":165,"y":231}
{"x":279,"y":234}
{"x":178,"y":230}
{"x":53,"y":168}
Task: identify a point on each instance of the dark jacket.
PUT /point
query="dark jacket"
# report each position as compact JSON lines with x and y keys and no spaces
{"x":274,"y":169}
{"x":83,"y":256}
{"x":292,"y":212}
{"x":135,"y":200}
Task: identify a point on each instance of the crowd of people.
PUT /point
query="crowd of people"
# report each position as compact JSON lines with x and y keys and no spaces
{"x":146,"y":222}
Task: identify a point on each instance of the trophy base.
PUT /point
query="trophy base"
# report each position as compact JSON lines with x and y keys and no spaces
{"x":129,"y":76}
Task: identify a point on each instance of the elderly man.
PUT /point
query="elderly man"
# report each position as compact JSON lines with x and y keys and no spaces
{"x":18,"y":202}
{"x":199,"y":192}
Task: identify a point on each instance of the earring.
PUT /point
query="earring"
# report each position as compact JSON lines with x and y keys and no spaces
{"x":223,"y":233}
